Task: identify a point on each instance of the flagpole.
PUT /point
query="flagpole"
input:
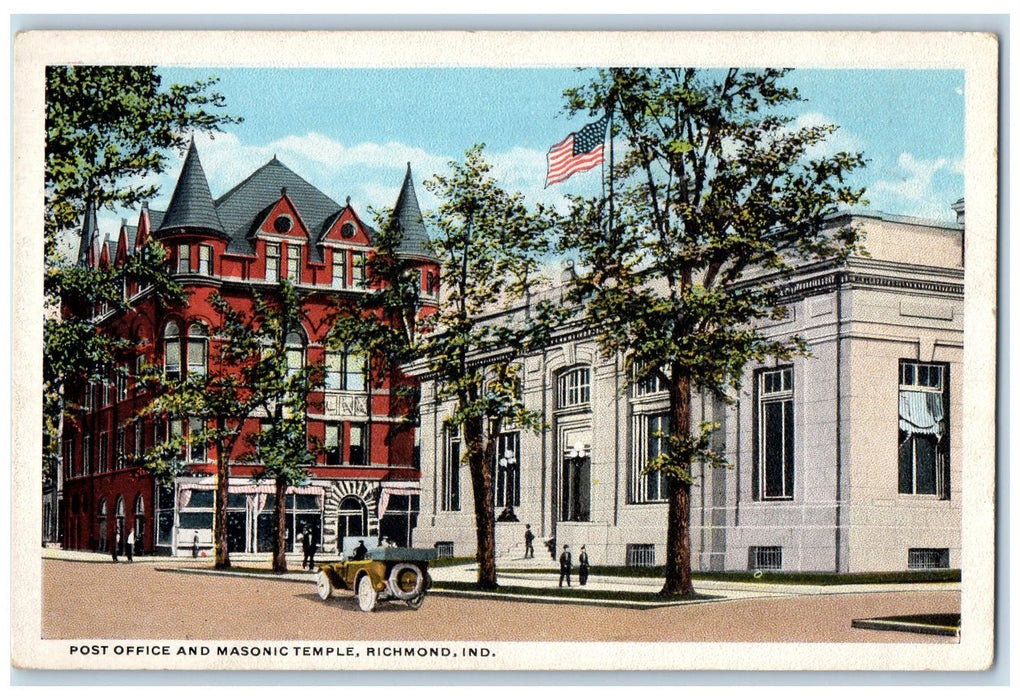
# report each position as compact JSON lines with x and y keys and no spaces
{"x":610,"y":231}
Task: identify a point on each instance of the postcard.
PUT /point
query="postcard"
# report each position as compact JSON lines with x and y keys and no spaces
{"x":504,"y":350}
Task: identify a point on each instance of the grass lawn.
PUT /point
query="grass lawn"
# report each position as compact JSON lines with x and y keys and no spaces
{"x":809,"y":578}
{"x":572,"y":592}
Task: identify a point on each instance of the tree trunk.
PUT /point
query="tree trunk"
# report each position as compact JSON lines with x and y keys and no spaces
{"x":481,"y":486}
{"x":220,"y":519}
{"x":280,"y":529}
{"x":678,"y":527}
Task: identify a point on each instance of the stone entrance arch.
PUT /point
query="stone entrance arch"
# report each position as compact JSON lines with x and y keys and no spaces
{"x":365,"y":491}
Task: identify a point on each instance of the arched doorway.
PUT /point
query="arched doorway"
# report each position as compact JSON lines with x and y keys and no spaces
{"x":121,"y":534}
{"x":352,"y":519}
{"x":102,"y":525}
{"x":139,"y":525}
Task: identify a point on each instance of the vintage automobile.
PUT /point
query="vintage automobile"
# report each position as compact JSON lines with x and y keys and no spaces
{"x":389,"y":573}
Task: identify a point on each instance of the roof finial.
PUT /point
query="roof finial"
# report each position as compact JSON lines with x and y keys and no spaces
{"x":283,"y":191}
{"x":348,"y":200}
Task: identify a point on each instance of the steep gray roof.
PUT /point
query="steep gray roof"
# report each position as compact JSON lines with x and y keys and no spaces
{"x":89,"y":229}
{"x":415,"y":238}
{"x":244,"y":206}
{"x":191,"y":205}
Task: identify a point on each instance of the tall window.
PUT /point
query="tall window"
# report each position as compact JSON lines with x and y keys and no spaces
{"x":923,"y":429}
{"x":451,"y":471}
{"x":574,"y":387}
{"x":651,"y":439}
{"x":358,"y":270}
{"x":333,"y":443}
{"x":86,"y":455}
{"x":196,"y":446}
{"x":575,"y":483}
{"x":359,"y":443}
{"x":102,"y":524}
{"x":775,"y":434}
{"x":120,"y":379}
{"x":121,"y":446}
{"x":198,"y":349}
{"x":205,"y":255}
{"x":272,"y":262}
{"x":101,"y":464}
{"x":294,"y":263}
{"x":183,"y":259}
{"x":295,"y":350}
{"x":508,"y":470}
{"x":172,"y":351}
{"x":339,"y":268}
{"x":345,"y":371}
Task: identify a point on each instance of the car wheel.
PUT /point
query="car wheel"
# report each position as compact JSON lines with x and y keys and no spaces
{"x":323,"y":586}
{"x":406,"y":581}
{"x":415,"y":603}
{"x":366,"y":594}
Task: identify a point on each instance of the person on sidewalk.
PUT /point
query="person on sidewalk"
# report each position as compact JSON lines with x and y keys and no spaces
{"x":129,"y":549}
{"x":116,"y":543}
{"x":194,"y":547}
{"x":306,"y":547}
{"x":529,"y":543}
{"x":582,"y":566}
{"x":566,"y":564}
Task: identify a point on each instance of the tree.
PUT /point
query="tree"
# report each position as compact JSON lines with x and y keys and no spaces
{"x":715,"y":184}
{"x":107,"y":128}
{"x":490,"y":248}
{"x":251,"y":374}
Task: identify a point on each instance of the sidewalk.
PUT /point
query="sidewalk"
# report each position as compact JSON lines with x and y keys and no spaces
{"x":538,"y":574}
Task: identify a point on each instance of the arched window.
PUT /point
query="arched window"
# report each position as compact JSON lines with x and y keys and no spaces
{"x":172,"y":350}
{"x":198,"y":349}
{"x":352,"y":519}
{"x":121,"y":533}
{"x":574,"y":387}
{"x":102,"y":525}
{"x":295,"y":350}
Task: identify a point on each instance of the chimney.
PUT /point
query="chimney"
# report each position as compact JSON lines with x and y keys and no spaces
{"x":959,"y":209}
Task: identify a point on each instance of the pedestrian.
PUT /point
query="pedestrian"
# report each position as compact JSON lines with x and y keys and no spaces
{"x":566,"y":564}
{"x":360,"y":552}
{"x":116,"y":543}
{"x":306,"y":548}
{"x":194,"y":547}
{"x":582,"y":566}
{"x":130,"y":548}
{"x":311,"y":558}
{"x":529,"y":542}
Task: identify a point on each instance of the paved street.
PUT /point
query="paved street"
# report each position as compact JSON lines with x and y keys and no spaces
{"x":89,"y":596}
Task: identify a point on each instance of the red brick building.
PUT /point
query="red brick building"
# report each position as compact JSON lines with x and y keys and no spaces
{"x":271,"y":225}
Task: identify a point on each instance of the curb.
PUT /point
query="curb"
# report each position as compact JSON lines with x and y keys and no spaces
{"x":561,"y":600}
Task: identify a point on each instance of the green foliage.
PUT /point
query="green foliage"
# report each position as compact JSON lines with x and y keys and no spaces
{"x":107,"y":128}
{"x":715,"y":197}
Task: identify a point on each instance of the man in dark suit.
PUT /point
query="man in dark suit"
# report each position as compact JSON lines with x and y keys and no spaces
{"x":566,"y":564}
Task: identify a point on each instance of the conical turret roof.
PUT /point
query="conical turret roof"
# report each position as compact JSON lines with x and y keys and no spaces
{"x":415,"y":238}
{"x":89,"y":230}
{"x":191,"y":206}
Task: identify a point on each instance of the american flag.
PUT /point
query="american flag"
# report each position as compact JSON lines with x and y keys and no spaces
{"x":578,"y":152}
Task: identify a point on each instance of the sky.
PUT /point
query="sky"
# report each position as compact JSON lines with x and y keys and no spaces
{"x":352,"y":132}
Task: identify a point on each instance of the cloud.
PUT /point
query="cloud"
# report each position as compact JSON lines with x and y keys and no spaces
{"x":839,"y":141}
{"x":919,"y":187}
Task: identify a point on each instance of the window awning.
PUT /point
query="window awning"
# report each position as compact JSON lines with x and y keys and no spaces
{"x":922,"y":413}
{"x":396,"y":488}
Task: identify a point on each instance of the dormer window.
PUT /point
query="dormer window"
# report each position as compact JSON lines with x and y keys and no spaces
{"x":294,"y":263}
{"x":348,"y":230}
{"x":339,"y":269}
{"x":272,"y":262}
{"x":283,"y":224}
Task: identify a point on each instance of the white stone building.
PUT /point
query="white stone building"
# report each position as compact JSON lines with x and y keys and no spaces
{"x":847,"y":459}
